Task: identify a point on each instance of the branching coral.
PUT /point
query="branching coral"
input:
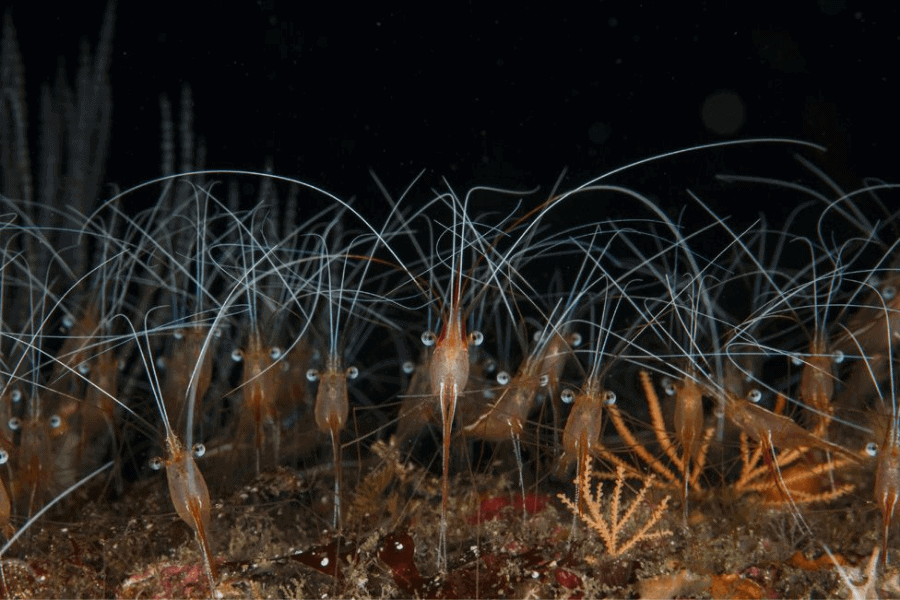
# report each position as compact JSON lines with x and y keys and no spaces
{"x":615,"y":527}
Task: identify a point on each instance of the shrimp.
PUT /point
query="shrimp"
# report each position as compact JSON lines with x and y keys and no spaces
{"x":187,"y":486}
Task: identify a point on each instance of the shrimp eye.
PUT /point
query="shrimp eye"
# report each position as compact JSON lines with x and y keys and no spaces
{"x":178,"y":334}
{"x":668,"y":386}
{"x":872,"y":449}
{"x":576,"y":340}
{"x":544,"y":380}
{"x":217,"y":332}
{"x":502,"y":377}
{"x":4,"y":456}
{"x":428,"y":338}
{"x":754,"y":396}
{"x":536,"y":337}
{"x":352,"y":372}
{"x":84,"y":368}
{"x":156,"y":463}
{"x":312,"y":375}
{"x":198,"y":450}
{"x":490,"y":365}
{"x":409,"y":367}
{"x":609,"y":398}
{"x":275,"y":353}
{"x":476,"y":338}
{"x":55,"y":421}
{"x":237,"y":355}
{"x":14,"y":423}
{"x":889,"y":292}
{"x":567,"y":396}
{"x":16,"y":395}
{"x":838,"y":357}
{"x":796,"y":360}
{"x":68,"y":322}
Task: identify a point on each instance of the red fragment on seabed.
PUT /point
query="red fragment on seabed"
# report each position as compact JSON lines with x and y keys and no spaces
{"x":398,"y":551}
{"x":491,"y":507}
{"x":167,"y":580}
{"x":567,"y":579}
{"x":328,"y":558}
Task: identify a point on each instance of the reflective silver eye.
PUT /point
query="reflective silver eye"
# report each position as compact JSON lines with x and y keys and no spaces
{"x":754,"y":396}
{"x":15,"y":423}
{"x":68,"y":322}
{"x":502,"y":377}
{"x":872,"y":449}
{"x":889,"y":292}
{"x":576,"y":340}
{"x":352,"y":372}
{"x":312,"y":375}
{"x":490,"y":366}
{"x":178,"y":334}
{"x":15,"y":395}
{"x":544,"y":380}
{"x":409,"y":367}
{"x":217,"y":332}
{"x":4,"y":456}
{"x":55,"y":421}
{"x":237,"y":355}
{"x":668,"y":386}
{"x":275,"y":353}
{"x":609,"y":398}
{"x":476,"y":338}
{"x":796,"y":360}
{"x":84,"y":368}
{"x":838,"y":357}
{"x":567,"y":396}
{"x":156,"y":463}
{"x":428,"y":338}
{"x":198,"y":450}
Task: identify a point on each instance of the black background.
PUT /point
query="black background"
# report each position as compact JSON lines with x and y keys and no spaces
{"x":506,"y":96}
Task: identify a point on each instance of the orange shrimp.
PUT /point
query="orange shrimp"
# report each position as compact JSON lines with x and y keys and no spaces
{"x":258,"y":415}
{"x":584,"y":426}
{"x":187,"y":486}
{"x":190,"y":496}
{"x":773,"y":429}
{"x":505,"y":418}
{"x":449,"y":375}
{"x":331,"y":412}
{"x":817,"y":382}
{"x":887,"y":482}
{"x":689,"y":428}
{"x":182,"y":364}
